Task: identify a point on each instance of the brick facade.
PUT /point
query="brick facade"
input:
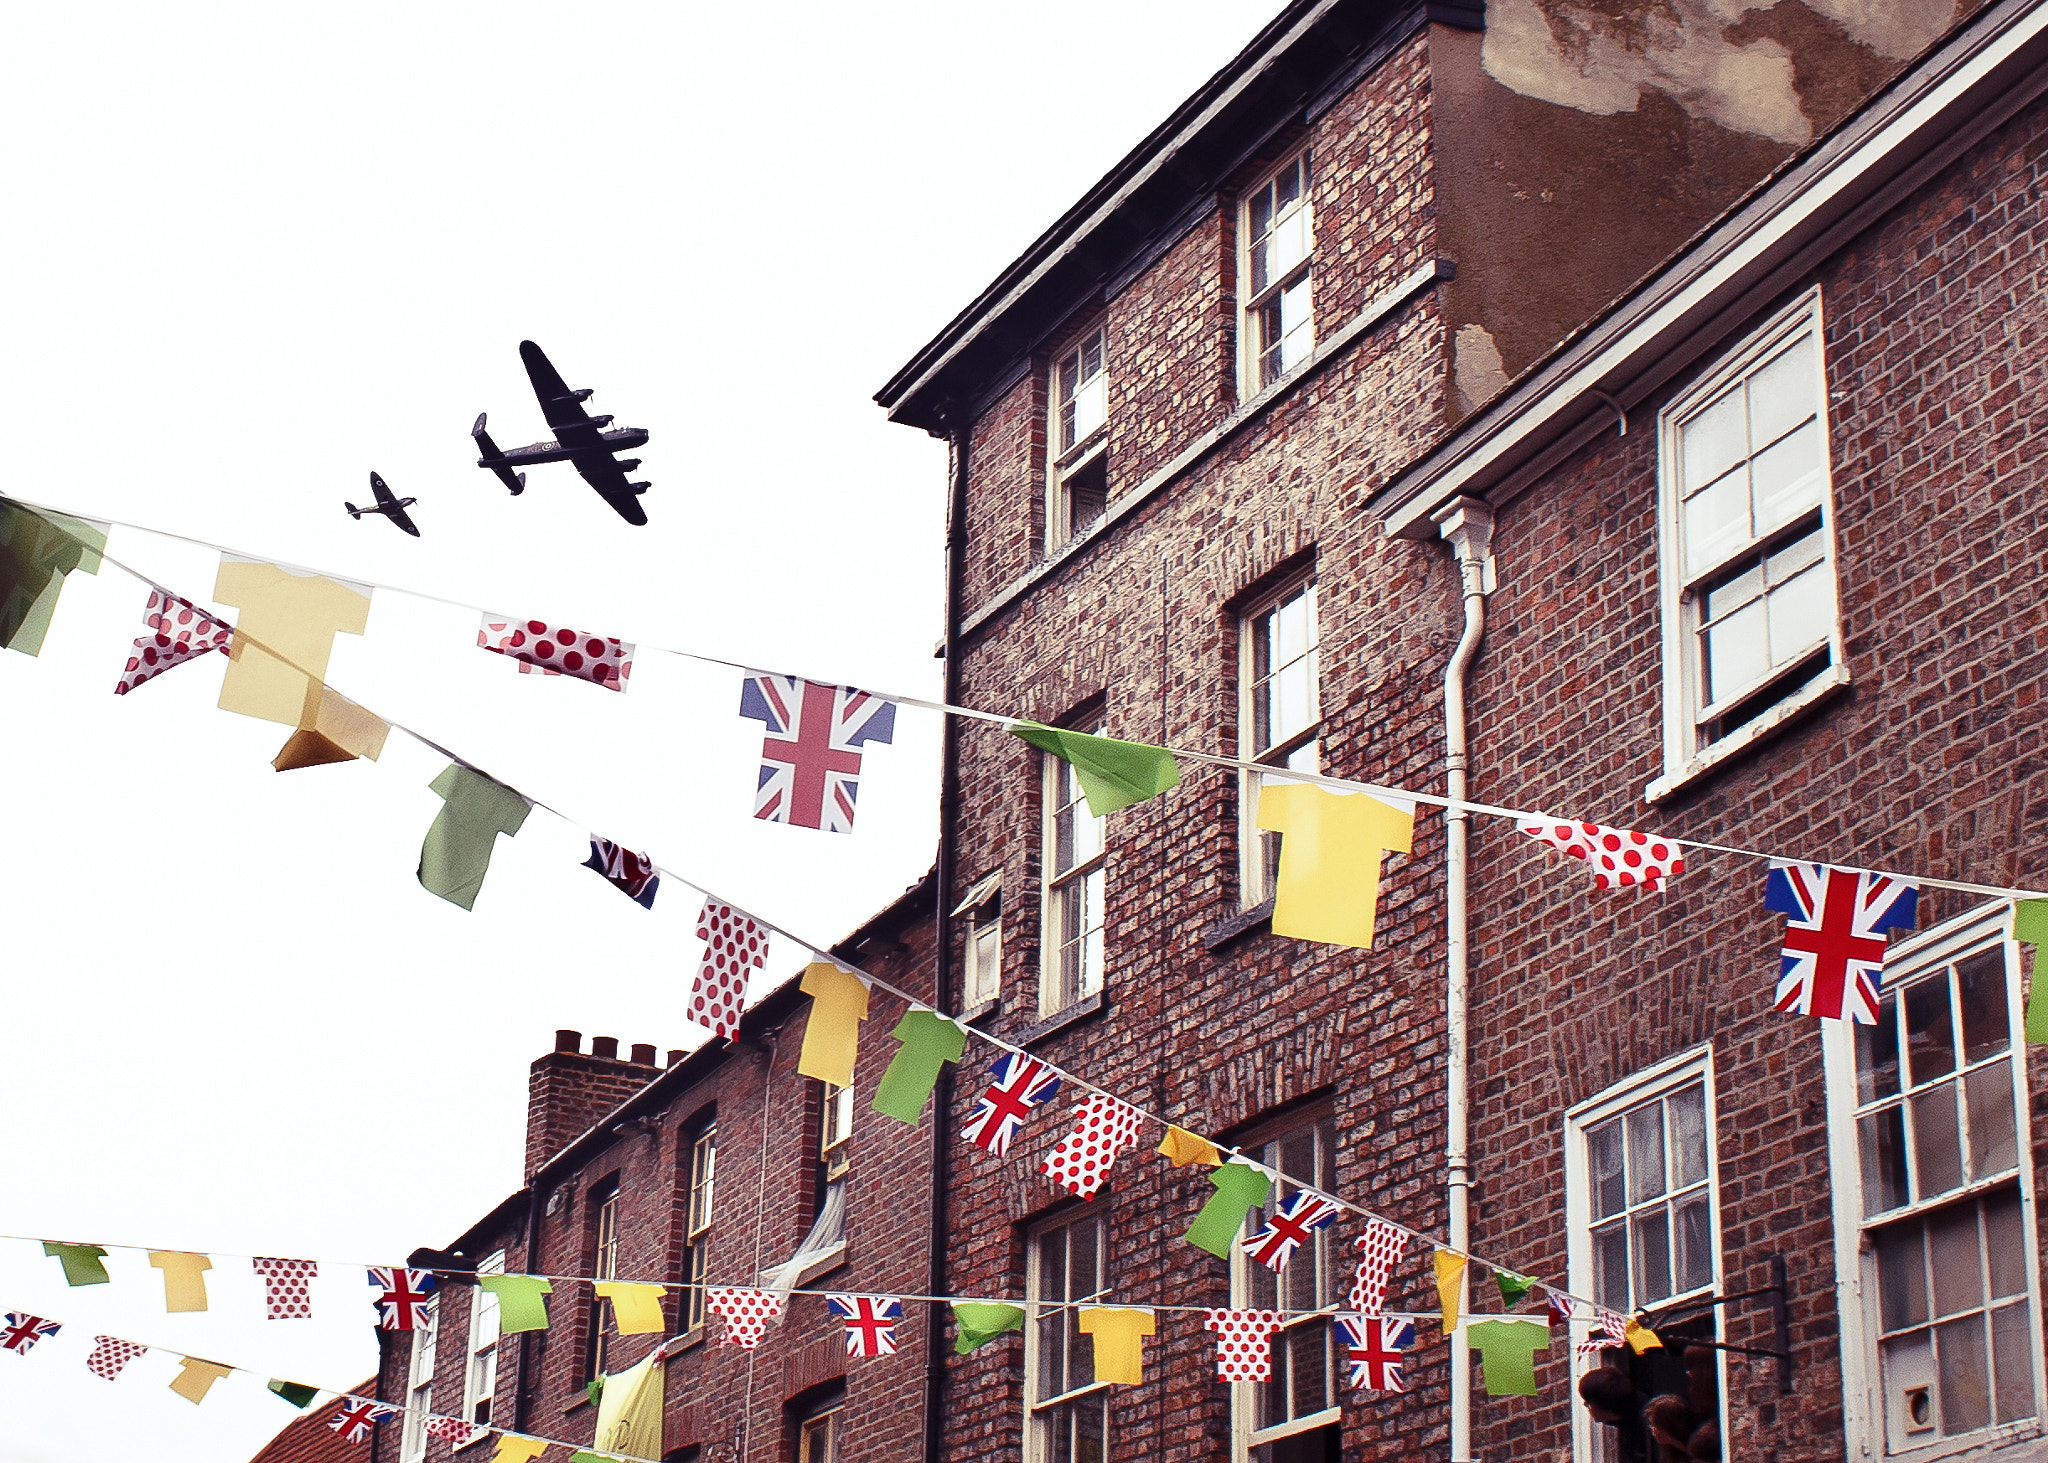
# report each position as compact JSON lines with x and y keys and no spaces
{"x":637,"y":1124}
{"x":1206,"y":1018}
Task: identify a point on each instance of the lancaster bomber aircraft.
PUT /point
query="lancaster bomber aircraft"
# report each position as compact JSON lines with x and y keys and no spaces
{"x":581,"y":441}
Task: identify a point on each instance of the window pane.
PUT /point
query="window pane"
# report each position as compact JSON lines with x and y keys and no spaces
{"x":1291,"y":701}
{"x":1958,"y":1263}
{"x":1987,"y":1028}
{"x":1877,"y":1054}
{"x":2005,"y":1245}
{"x":1688,"y":1137}
{"x":1716,"y":522}
{"x":1732,"y":591}
{"x":1090,"y":408}
{"x":1695,"y":1245}
{"x":1309,"y":1366}
{"x":1713,"y":441}
{"x":1091,"y":1430}
{"x":1783,"y":392}
{"x":1786,"y":478}
{"x":1610,"y":1266}
{"x":1737,"y":652}
{"x":2012,"y":1350}
{"x":1645,"y":1152}
{"x":1994,"y":1147}
{"x":1651,"y":1234}
{"x":1909,"y":1389}
{"x":1901,"y":1276}
{"x":1802,"y":613}
{"x":1881,"y":1139}
{"x":1603,"y":1148}
{"x":1937,"y":1151}
{"x":1965,"y":1390}
{"x":1930,"y":1034}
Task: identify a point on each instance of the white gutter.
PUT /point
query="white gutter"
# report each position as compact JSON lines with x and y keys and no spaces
{"x":1467,"y":524}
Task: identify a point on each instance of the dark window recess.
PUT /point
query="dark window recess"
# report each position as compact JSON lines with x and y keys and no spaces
{"x":1319,"y":1445}
{"x":1672,"y":1390}
{"x":1087,"y":494}
{"x":1777,"y":689}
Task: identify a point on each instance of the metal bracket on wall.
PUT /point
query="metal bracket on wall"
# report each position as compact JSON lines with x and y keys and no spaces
{"x":1781,"y":1322}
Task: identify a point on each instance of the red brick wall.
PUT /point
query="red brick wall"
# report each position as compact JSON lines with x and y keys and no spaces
{"x":767,"y":1117}
{"x":1217,"y":1039}
{"x":1931,"y":762}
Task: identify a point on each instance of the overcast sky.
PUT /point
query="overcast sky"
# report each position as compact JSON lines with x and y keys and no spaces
{"x":254,"y":252}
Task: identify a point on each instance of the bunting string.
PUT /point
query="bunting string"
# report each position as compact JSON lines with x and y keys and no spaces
{"x":1006,"y":720}
{"x":1116,"y":1111}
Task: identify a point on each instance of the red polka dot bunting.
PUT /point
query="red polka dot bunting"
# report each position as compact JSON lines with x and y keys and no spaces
{"x":110,"y":1354}
{"x":734,"y":947}
{"x":1619,"y":856}
{"x":1244,"y":1343}
{"x":747,"y":1314}
{"x":554,"y":651}
{"x":174,"y":631}
{"x":1081,"y":1162}
{"x":286,"y":1289}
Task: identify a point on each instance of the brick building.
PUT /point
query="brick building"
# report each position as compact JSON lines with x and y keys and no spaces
{"x":713,"y":1169}
{"x":1296,"y":441}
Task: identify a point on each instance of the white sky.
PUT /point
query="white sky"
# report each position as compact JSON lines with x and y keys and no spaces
{"x":253,"y":252}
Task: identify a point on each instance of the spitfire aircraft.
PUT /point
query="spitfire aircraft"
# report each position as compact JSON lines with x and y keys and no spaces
{"x":392,"y":508}
{"x":581,"y":441}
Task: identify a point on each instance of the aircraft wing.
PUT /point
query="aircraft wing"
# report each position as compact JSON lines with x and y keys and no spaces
{"x":562,"y":407}
{"x":604,"y":473}
{"x":402,"y":518}
{"x":384,"y":498}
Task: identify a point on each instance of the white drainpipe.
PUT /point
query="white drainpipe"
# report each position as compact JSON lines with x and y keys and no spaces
{"x":1467,"y":524}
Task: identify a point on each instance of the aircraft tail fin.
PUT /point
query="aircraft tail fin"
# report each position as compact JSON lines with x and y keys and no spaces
{"x":353,"y":511}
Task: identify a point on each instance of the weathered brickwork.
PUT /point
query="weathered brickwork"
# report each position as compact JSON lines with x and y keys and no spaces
{"x":766,"y":1193}
{"x":1929,"y":762}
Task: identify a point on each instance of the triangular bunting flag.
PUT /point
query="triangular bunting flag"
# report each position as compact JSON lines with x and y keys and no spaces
{"x":1113,"y":774}
{"x":174,"y":631}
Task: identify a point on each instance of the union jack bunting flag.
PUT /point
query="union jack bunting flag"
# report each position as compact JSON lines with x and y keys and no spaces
{"x":1292,"y":1223}
{"x":810,"y":759}
{"x":403,"y":1305}
{"x":1373,"y":1346}
{"x":1021,"y":1084}
{"x":1561,"y":1308}
{"x":1835,"y":922}
{"x":23,"y":1331}
{"x":632,"y":873}
{"x":357,"y":1417}
{"x":870,"y":1322}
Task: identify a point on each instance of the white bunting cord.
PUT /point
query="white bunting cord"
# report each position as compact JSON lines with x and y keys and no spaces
{"x":1340,"y":784}
{"x":1077,"y":1082}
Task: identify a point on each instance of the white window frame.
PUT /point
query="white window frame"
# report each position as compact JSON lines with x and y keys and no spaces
{"x":983,"y":906}
{"x":419,"y":1383}
{"x":1856,"y":1296}
{"x":1674,"y":1072}
{"x":1056,"y":990}
{"x":1066,"y":459}
{"x":1250,"y":303}
{"x":817,"y":1433}
{"x":1688,"y":753}
{"x":480,"y":1374}
{"x":1089,"y":1391}
{"x":835,"y":1131}
{"x":1319,"y":1251}
{"x":701,"y":1184}
{"x":1300,"y":749}
{"x":604,"y":1266}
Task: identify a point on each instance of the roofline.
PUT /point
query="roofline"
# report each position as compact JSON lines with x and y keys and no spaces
{"x":770,"y":1011}
{"x":1814,"y":204}
{"x":1156,"y":153}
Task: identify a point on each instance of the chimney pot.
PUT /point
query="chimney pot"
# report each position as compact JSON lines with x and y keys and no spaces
{"x":675,"y":1054}
{"x":568,"y":1041}
{"x":643,"y":1053}
{"x":606,"y":1047}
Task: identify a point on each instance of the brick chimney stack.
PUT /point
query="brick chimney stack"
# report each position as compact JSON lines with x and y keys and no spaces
{"x":567,"y":1091}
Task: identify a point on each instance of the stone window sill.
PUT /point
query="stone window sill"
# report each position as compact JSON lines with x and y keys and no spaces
{"x":1059,"y":1021}
{"x":1816,"y":693}
{"x":1226,"y":930}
